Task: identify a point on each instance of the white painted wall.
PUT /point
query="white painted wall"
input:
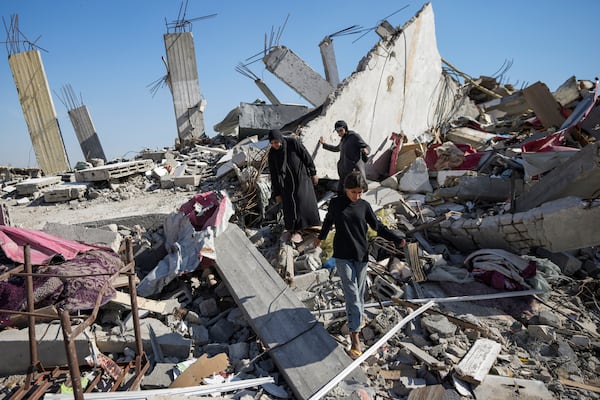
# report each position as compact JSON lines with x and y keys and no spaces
{"x":398,"y":86}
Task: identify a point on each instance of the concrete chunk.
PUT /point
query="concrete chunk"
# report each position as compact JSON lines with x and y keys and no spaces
{"x":14,"y":346}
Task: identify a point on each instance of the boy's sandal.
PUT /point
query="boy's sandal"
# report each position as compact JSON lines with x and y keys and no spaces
{"x":354,"y":354}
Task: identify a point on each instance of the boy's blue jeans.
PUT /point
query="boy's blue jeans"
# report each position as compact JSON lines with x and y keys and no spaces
{"x":354,"y":281}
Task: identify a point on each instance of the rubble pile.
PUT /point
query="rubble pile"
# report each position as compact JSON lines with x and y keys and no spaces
{"x":494,"y":296}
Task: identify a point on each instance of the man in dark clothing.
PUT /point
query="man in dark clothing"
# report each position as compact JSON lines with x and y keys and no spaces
{"x":353,"y":152}
{"x":293,"y":176}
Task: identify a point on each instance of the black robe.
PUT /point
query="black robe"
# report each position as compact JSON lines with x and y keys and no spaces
{"x":291,"y":169}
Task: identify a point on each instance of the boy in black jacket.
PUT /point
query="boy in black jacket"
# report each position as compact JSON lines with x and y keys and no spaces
{"x":352,"y":216}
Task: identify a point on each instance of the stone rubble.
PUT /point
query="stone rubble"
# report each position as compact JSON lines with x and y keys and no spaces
{"x":551,"y":337}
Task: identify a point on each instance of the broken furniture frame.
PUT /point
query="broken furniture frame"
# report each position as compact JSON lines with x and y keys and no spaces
{"x":46,"y":378}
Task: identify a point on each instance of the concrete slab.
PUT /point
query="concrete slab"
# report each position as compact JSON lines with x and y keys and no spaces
{"x":14,"y":347}
{"x":30,"y":186}
{"x":304,"y":352}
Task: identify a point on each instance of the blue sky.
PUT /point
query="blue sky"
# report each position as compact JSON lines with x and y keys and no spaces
{"x":110,"y":53}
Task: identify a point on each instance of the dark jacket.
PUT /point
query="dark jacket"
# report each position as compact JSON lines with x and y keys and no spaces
{"x":350,"y":148}
{"x":351,"y":222}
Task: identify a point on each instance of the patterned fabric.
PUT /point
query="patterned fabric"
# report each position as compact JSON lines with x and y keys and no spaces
{"x":72,"y":294}
{"x":81,"y":293}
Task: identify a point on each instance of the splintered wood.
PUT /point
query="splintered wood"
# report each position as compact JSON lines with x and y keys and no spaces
{"x":414,"y":262}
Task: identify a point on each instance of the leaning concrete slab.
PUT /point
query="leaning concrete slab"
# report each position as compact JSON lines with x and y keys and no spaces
{"x":295,"y":73}
{"x":305,"y":353}
{"x":578,"y":176}
{"x":38,"y":109}
{"x":86,"y":133}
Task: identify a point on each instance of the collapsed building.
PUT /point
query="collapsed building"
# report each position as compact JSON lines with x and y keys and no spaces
{"x":495,"y":190}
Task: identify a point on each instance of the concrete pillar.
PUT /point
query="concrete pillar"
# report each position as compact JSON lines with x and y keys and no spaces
{"x":184,"y":85}
{"x":295,"y":73}
{"x":38,"y":109}
{"x":329,"y":63}
{"x":86,"y":133}
{"x":267,"y":92}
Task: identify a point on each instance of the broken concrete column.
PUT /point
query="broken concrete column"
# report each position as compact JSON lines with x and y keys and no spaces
{"x":328,"y":56}
{"x":86,"y":133}
{"x":184,"y":85}
{"x":294,"y":72}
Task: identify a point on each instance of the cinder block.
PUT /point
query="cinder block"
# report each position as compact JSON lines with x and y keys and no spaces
{"x":185,"y":180}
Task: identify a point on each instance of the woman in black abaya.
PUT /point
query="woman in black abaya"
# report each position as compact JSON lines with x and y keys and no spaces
{"x":293,"y":176}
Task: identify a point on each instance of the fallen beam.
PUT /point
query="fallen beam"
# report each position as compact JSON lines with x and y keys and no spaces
{"x":304,"y":352}
{"x":578,"y":176}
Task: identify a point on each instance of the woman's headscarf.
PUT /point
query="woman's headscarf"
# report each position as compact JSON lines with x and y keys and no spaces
{"x":275,"y":134}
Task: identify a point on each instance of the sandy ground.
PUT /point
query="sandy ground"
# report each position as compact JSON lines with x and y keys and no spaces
{"x":36,"y":214}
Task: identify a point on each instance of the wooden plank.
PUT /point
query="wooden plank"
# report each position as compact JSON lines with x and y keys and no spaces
{"x":200,"y":369}
{"x":423,"y":356}
{"x":143,"y":303}
{"x":304,"y":352}
{"x":123,"y":281}
{"x":478,"y":361}
{"x":579,"y":385}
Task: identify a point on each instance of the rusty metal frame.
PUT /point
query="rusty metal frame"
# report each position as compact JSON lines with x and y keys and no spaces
{"x":41,"y":379}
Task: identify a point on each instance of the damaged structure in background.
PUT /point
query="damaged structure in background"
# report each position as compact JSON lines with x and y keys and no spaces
{"x":182,"y":78}
{"x":84,"y":127}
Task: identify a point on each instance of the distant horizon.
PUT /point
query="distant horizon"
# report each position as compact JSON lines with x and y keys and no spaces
{"x":110,"y":53}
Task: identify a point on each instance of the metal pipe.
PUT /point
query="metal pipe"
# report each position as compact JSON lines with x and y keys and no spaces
{"x":33,"y":357}
{"x":71,"y":351}
{"x":134,"y":305}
